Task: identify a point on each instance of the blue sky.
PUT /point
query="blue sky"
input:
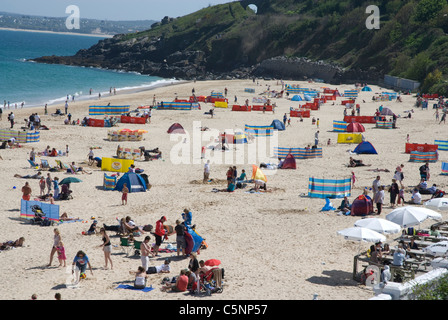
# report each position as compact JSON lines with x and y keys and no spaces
{"x":109,"y":9}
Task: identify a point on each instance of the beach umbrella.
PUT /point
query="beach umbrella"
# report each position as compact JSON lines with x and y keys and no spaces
{"x":70,"y":180}
{"x":361,"y":234}
{"x":212,"y":262}
{"x":379,"y":225}
{"x":437,"y":249}
{"x":437,"y":204}
{"x":407,"y":216}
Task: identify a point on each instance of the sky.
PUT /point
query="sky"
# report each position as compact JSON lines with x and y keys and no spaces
{"x":108,"y":9}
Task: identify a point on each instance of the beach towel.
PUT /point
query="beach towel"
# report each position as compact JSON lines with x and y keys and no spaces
{"x":129,"y":287}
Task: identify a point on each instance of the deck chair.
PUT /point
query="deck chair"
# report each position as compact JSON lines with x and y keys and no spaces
{"x":44,"y":164}
{"x":73,"y":169}
{"x":63,"y":165}
{"x":33,"y":164}
{"x":137,"y":245}
{"x":125,"y":245}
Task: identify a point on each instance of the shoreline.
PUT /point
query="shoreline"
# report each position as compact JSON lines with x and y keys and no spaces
{"x":120,"y":92}
{"x":63,"y":33}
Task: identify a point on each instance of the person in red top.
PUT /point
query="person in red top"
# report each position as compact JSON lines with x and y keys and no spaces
{"x":180,"y":285}
{"x":159,"y":233}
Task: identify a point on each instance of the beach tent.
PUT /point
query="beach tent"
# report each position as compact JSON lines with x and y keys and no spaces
{"x":176,"y":128}
{"x":296,"y":98}
{"x":362,"y":205}
{"x":239,"y":138}
{"x":278,"y":125}
{"x":307,"y":97}
{"x":386,"y":112}
{"x":134,"y":182}
{"x":257,"y":174}
{"x":289,"y":162}
{"x":355,"y":127}
{"x":366,"y":88}
{"x":365,"y":147}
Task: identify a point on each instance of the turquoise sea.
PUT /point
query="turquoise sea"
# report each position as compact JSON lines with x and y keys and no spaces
{"x":37,"y":84}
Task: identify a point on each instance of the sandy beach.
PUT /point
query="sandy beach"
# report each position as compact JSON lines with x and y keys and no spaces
{"x":274,"y":245}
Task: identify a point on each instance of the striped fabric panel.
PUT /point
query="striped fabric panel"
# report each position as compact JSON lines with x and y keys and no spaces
{"x":384,"y":124}
{"x":107,"y":110}
{"x":33,"y":137}
{"x":339,"y":126}
{"x":298,"y":153}
{"x":443,"y":145}
{"x":259,"y":130}
{"x":217,"y":95}
{"x":109,"y":182}
{"x":351,"y":93}
{"x":423,"y":156}
{"x":445,"y":168}
{"x":175,"y":106}
{"x":51,"y":210}
{"x":329,"y":188}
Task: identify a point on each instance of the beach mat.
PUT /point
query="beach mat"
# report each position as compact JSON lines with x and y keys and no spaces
{"x":129,"y":287}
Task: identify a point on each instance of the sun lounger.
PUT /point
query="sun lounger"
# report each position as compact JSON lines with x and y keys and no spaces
{"x":33,"y":164}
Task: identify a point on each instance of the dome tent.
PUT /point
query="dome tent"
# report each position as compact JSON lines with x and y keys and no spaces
{"x":365,"y":147}
{"x":296,"y":98}
{"x":278,"y":125}
{"x":134,"y":182}
{"x":176,"y":128}
{"x":289,"y":162}
{"x":366,"y":88}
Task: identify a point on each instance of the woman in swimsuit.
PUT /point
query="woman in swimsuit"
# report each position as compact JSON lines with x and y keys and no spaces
{"x":107,"y":247}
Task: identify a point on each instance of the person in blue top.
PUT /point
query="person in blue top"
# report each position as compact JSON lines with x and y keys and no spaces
{"x":187,"y":216}
{"x":399,"y":256}
{"x":56,"y":187}
{"x":81,"y":261}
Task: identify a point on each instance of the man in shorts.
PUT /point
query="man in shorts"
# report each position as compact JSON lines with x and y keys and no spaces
{"x":180,"y":237}
{"x":159,"y":234}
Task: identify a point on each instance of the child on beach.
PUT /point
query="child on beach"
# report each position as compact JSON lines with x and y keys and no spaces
{"x":42,"y":186}
{"x":61,"y":254}
{"x":353,"y":179}
{"x":124,"y":197}
{"x":91,"y":155}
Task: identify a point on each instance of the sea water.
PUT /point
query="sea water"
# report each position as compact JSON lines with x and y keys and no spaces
{"x":38,"y":84}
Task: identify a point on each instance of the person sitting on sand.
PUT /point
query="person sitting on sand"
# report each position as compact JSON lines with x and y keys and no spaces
{"x":259,"y":184}
{"x":345,"y":205}
{"x":164,"y":268}
{"x":355,"y":163}
{"x":78,"y":169}
{"x":140,"y":278}
{"x":180,"y":285}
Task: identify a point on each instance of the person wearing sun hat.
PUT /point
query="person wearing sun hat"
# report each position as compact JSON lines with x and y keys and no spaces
{"x":160,"y":232}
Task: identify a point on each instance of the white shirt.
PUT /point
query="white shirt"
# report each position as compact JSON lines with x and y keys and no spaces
{"x":163,"y":267}
{"x":376,"y":184}
{"x":140,"y":281}
{"x":207,"y":168}
{"x":417,"y":198}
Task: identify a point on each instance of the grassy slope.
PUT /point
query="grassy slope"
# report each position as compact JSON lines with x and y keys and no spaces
{"x":411,"y":41}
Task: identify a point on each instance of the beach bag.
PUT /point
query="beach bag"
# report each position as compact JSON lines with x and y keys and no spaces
{"x":46,"y":222}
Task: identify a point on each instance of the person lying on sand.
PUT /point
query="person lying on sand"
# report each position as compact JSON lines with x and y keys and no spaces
{"x":379,"y":170}
{"x":28,"y":176}
{"x":356,"y":163}
{"x":12,"y":244}
{"x":65,"y":217}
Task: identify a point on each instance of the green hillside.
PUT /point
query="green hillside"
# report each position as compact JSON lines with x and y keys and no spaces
{"x":411,"y":42}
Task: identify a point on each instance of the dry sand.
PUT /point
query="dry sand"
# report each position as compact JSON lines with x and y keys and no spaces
{"x":276,"y":245}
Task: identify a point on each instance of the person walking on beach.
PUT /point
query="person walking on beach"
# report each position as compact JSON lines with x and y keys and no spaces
{"x":91,"y":155}
{"x":11,"y":119}
{"x":48,"y":181}
{"x":107,"y":248}
{"x":66,"y":106}
{"x":56,"y":240}
{"x":42,"y":186}
{"x":443,"y":118}
{"x":316,"y":138}
{"x":124,"y":196}
{"x":379,"y":199}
